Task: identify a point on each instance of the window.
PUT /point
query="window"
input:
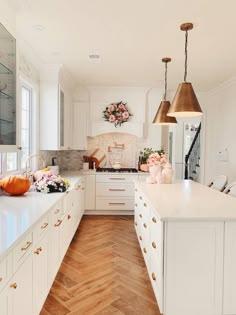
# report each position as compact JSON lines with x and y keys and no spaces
{"x":13,"y":162}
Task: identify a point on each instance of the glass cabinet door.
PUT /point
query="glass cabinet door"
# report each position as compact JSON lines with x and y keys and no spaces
{"x":7,"y":88}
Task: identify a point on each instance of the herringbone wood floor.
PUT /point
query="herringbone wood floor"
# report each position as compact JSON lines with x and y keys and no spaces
{"x":103,"y":272}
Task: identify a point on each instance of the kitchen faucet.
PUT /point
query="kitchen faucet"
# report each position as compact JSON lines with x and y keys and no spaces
{"x":27,"y":173}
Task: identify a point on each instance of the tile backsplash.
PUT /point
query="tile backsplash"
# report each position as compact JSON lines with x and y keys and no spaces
{"x":68,"y":160}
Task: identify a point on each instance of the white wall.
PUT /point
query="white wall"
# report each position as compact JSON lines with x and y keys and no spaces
{"x":220,"y":131}
{"x":8,"y":17}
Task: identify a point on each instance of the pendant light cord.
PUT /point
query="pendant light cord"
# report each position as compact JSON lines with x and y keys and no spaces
{"x":186,"y":55}
{"x":165,"y":81}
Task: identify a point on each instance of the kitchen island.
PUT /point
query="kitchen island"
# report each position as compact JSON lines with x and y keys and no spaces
{"x":187,"y":233}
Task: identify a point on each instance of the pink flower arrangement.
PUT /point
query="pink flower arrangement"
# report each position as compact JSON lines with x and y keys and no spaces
{"x":116,"y":113}
{"x":156,"y":159}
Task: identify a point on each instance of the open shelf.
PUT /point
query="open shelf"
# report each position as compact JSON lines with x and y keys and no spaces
{"x":4,"y":69}
{"x":5,"y":96}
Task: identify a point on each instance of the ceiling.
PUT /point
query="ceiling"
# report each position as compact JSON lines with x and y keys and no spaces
{"x":132,"y":36}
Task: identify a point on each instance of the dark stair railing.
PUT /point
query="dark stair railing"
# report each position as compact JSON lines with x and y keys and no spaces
{"x":193,"y":156}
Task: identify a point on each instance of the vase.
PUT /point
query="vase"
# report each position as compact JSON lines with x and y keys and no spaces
{"x":153,"y":170}
{"x":167,"y":174}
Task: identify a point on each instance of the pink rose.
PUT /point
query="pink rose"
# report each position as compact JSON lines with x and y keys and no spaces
{"x":125,"y":115}
{"x":111,"y":108}
{"x":112,"y":118}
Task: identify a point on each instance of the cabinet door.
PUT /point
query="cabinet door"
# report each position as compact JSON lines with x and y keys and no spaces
{"x":22,"y":289}
{"x":229,"y":268}
{"x":194,"y":268}
{"x":6,"y":301}
{"x":80,"y":126}
{"x":40,"y":273}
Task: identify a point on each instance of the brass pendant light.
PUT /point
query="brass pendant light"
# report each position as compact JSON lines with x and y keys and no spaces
{"x":161,"y":118}
{"x":185,"y":103}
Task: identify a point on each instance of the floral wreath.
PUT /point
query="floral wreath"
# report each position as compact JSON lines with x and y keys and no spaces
{"x":117,"y":113}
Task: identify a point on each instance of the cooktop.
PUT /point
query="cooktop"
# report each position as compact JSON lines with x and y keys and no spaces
{"x":114,"y":170}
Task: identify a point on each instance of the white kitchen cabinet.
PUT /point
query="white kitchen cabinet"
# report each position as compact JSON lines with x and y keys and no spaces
{"x":115,"y":192}
{"x":90,"y":192}
{"x":6,"y":301}
{"x":40,"y":264}
{"x":80,"y":119}
{"x":79,"y":199}
{"x":21,"y":285}
{"x":229,"y":268}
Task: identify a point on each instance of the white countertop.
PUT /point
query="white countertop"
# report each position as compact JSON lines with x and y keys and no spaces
{"x":19,"y":213}
{"x":188,"y":200}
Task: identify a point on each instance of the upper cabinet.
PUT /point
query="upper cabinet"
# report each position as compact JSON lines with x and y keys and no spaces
{"x":80,"y":118}
{"x":56,"y":89}
{"x":7,"y":90}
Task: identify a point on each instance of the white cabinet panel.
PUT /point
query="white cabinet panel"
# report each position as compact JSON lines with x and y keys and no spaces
{"x":90,"y":192}
{"x":194,"y":268}
{"x":230,"y":269}
{"x":115,"y":203}
{"x":80,"y":125}
{"x":105,"y":189}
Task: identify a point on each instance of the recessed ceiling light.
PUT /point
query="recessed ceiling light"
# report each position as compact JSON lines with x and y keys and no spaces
{"x":94,"y":57}
{"x":38,"y":27}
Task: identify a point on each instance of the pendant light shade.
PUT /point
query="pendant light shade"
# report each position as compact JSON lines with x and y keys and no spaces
{"x":185,"y":103}
{"x":161,"y":117}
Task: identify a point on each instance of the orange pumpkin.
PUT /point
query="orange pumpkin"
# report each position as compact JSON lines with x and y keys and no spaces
{"x":15,"y":185}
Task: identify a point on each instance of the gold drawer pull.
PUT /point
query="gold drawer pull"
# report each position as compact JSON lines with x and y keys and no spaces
{"x":111,"y":189}
{"x":83,"y":188}
{"x":78,"y":187}
{"x":56,"y":211}
{"x":145,"y":225}
{"x":117,"y":178}
{"x":140,"y":215}
{"x":140,"y":198}
{"x":135,"y":223}
{"x":69,"y":217}
{"x":13,"y":285}
{"x":140,"y":237}
{"x":154,"y":245}
{"x":58,"y":223}
{"x":154,"y":220}
{"x":44,"y":225}
{"x":1,"y":279}
{"x":26,"y":246}
{"x":135,"y":204}
{"x":145,"y":205}
{"x":145,"y":251}
{"x":117,"y":203}
{"x":38,"y":250}
{"x":136,"y":189}
{"x":153,"y":276}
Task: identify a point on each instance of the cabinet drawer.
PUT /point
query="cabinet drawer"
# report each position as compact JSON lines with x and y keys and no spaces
{"x":56,"y":213}
{"x":156,"y":276}
{"x":116,"y":178}
{"x":68,"y":201}
{"x":20,"y":250}
{"x":41,"y":228}
{"x":106,"y":189}
{"x":5,"y":270}
{"x":114,"y":204}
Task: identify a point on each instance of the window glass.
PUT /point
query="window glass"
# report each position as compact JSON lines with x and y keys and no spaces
{"x":11,"y":161}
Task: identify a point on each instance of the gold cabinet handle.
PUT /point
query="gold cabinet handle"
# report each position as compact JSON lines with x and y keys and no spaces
{"x":135,"y":223}
{"x":69,"y":217}
{"x":1,"y":279}
{"x":135,"y":204}
{"x":13,"y":285}
{"x":58,"y":223}
{"x":38,"y":250}
{"x":140,"y":237}
{"x":56,"y":211}
{"x":145,"y":251}
{"x":117,"y":178}
{"x":145,"y":205}
{"x":83,"y":188}
{"x":44,"y":225}
{"x":136,"y":189}
{"x":145,"y":225}
{"x":113,"y":189}
{"x":153,"y":276}
{"x":140,"y":215}
{"x":154,"y":245}
{"x":154,"y":220}
{"x":140,"y":198}
{"x":19,"y":148}
{"x":78,"y":187}
{"x":26,"y":246}
{"x":117,"y":203}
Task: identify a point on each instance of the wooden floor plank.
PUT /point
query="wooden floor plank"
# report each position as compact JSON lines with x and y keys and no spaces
{"x":103,"y":272}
